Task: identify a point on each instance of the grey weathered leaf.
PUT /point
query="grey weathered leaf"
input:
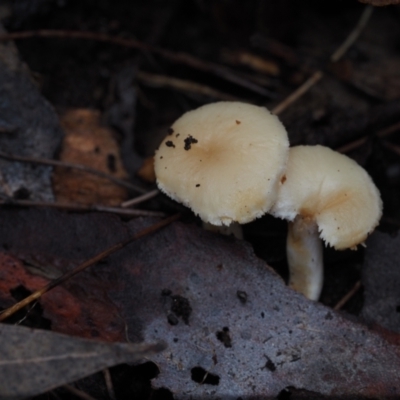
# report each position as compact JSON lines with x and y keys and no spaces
{"x":28,"y":127}
{"x":35,"y":361}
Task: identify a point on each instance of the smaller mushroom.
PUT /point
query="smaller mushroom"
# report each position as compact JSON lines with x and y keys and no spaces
{"x":324,"y":194}
{"x":224,"y":161}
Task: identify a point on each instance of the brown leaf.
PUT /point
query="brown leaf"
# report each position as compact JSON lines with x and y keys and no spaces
{"x":232,"y":326}
{"x":89,"y":143}
{"x":35,"y":361}
{"x":70,"y":312}
{"x":146,"y":171}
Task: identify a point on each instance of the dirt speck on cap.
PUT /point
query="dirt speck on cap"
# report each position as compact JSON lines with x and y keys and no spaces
{"x":169,"y":143}
{"x":189,"y":141}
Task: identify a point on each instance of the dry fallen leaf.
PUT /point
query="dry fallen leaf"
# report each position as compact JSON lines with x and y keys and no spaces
{"x":89,"y":143}
{"x":35,"y":361}
{"x":28,"y":127}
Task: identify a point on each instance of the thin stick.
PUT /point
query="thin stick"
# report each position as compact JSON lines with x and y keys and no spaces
{"x":336,"y":56}
{"x":352,"y":145}
{"x":181,"y":58}
{"x":140,"y":199}
{"x":391,"y":147}
{"x":362,"y":22}
{"x":357,"y":143}
{"x":300,"y":91}
{"x":80,"y":167}
{"x":82,"y":207}
{"x":348,"y":296}
{"x":109,"y":385}
{"x":182,"y":85}
{"x":79,"y":393}
{"x":52,"y":284}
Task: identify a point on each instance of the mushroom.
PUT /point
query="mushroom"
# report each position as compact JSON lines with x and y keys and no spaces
{"x":224,"y":161}
{"x":324,"y":194}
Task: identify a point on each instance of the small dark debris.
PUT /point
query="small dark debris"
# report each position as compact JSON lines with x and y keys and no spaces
{"x":111,"y":162}
{"x":97,"y":149}
{"x":177,"y":135}
{"x":238,"y":122}
{"x":169,"y":143}
{"x":166,"y":292}
{"x":215,"y":359}
{"x":242,"y":296}
{"x":172,"y":319}
{"x":200,"y":375}
{"x":176,"y":340}
{"x":269,"y":364}
{"x":328,"y":316}
{"x":170,"y":131}
{"x":189,"y":141}
{"x":284,"y":394}
{"x":224,"y":337}
{"x":161,"y":157}
{"x":22,"y":194}
{"x":398,"y":309}
{"x":262,"y":314}
{"x":198,"y":185}
{"x":181,"y":307}
{"x":283,"y":179}
{"x":295,"y":357}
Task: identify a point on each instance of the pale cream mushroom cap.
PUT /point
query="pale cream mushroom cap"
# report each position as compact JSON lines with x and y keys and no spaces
{"x":334,"y":191}
{"x":224,"y":161}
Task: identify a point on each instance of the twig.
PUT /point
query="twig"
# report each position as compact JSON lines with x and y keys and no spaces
{"x":391,"y":147}
{"x":181,"y":58}
{"x":336,"y":56}
{"x":80,"y":167}
{"x":348,"y":296}
{"x":79,"y":393}
{"x":81,"y":207}
{"x":109,"y":385}
{"x":26,"y":314}
{"x":357,"y":143}
{"x":300,"y":91}
{"x":182,"y":85}
{"x":52,"y":284}
{"x":362,"y":22}
{"x":352,"y":145}
{"x":140,"y":199}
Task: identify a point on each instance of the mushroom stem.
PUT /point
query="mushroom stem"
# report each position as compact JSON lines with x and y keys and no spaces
{"x":233,"y":229}
{"x":305,"y":257}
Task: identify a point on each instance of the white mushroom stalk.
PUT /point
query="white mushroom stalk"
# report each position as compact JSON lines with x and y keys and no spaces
{"x":224,"y":161}
{"x":305,"y":257}
{"x":325,"y":195}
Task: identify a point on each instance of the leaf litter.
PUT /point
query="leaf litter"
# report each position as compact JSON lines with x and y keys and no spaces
{"x":208,"y":339}
{"x":232,"y":326}
{"x":36,"y":361}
